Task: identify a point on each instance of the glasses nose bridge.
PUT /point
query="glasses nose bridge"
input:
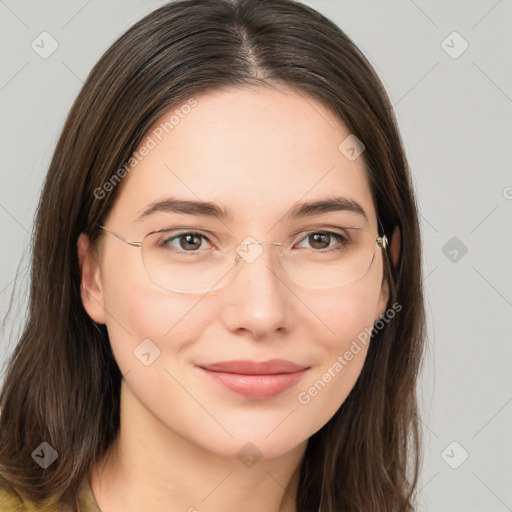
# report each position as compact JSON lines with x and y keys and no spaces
{"x":244,"y":254}
{"x":242,"y":247}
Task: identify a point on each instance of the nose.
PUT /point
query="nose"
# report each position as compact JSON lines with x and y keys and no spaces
{"x":258,"y":298}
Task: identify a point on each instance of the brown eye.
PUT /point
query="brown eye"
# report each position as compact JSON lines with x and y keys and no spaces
{"x":321,"y":240}
{"x":188,"y":242}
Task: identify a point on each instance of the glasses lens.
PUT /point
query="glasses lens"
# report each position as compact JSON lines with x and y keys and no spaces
{"x":184,"y":262}
{"x":330,"y":259}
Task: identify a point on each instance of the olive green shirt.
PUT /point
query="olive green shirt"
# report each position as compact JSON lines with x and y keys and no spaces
{"x":18,"y":502}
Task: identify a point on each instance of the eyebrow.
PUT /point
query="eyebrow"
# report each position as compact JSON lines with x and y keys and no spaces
{"x":209,"y":209}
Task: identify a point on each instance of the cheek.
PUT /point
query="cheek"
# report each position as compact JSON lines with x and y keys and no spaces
{"x":349,"y":317}
{"x":346,"y":312}
{"x":138,"y":311}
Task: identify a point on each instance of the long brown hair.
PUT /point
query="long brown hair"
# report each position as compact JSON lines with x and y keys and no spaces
{"x":367,"y":456}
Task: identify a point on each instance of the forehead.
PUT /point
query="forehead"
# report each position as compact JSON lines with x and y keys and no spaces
{"x":256,"y":151}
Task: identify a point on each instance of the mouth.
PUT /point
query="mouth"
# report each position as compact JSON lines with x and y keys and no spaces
{"x":256,"y":380}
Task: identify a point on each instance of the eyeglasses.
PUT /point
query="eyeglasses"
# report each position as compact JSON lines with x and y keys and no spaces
{"x":178,"y":260}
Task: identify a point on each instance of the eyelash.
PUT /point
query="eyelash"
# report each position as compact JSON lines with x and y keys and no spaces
{"x":338,"y":236}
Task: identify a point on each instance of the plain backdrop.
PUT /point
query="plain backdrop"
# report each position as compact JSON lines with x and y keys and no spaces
{"x":447,"y":69}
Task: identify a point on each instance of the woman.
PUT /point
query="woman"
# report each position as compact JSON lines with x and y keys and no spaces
{"x":226,"y":284}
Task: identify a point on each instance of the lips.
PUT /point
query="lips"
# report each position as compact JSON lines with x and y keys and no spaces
{"x":246,"y":367}
{"x":256,"y":380}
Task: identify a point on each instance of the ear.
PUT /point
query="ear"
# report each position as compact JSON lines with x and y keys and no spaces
{"x":394,"y":254}
{"x":90,"y":281}
{"x":394,"y":248}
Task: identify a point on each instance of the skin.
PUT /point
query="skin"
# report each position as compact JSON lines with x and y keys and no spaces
{"x":180,"y":432}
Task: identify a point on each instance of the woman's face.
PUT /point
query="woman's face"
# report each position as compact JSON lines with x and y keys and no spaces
{"x":257,"y":153}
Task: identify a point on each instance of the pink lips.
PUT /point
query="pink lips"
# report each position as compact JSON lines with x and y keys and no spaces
{"x":256,"y":380}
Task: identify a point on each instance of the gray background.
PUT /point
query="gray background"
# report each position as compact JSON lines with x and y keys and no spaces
{"x":454,"y":116}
